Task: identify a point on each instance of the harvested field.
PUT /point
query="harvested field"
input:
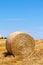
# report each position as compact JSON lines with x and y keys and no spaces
{"x":36,"y":58}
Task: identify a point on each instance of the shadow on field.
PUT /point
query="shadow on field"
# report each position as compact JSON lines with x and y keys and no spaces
{"x":7,"y":54}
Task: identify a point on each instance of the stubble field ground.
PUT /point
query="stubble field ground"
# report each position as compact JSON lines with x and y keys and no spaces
{"x":35,"y":59}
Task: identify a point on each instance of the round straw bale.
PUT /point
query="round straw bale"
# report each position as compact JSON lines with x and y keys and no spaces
{"x":1,"y":37}
{"x":20,"y":43}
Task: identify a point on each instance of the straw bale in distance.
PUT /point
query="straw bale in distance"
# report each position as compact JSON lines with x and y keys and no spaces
{"x":1,"y":37}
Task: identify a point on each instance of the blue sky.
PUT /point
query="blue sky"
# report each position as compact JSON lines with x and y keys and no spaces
{"x":22,"y":15}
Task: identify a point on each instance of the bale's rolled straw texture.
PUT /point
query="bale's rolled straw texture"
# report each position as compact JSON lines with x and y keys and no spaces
{"x":19,"y":43}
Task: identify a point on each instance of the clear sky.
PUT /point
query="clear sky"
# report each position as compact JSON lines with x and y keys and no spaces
{"x":22,"y":15}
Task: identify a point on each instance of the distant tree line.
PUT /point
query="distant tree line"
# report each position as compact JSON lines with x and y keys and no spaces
{"x":5,"y":38}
